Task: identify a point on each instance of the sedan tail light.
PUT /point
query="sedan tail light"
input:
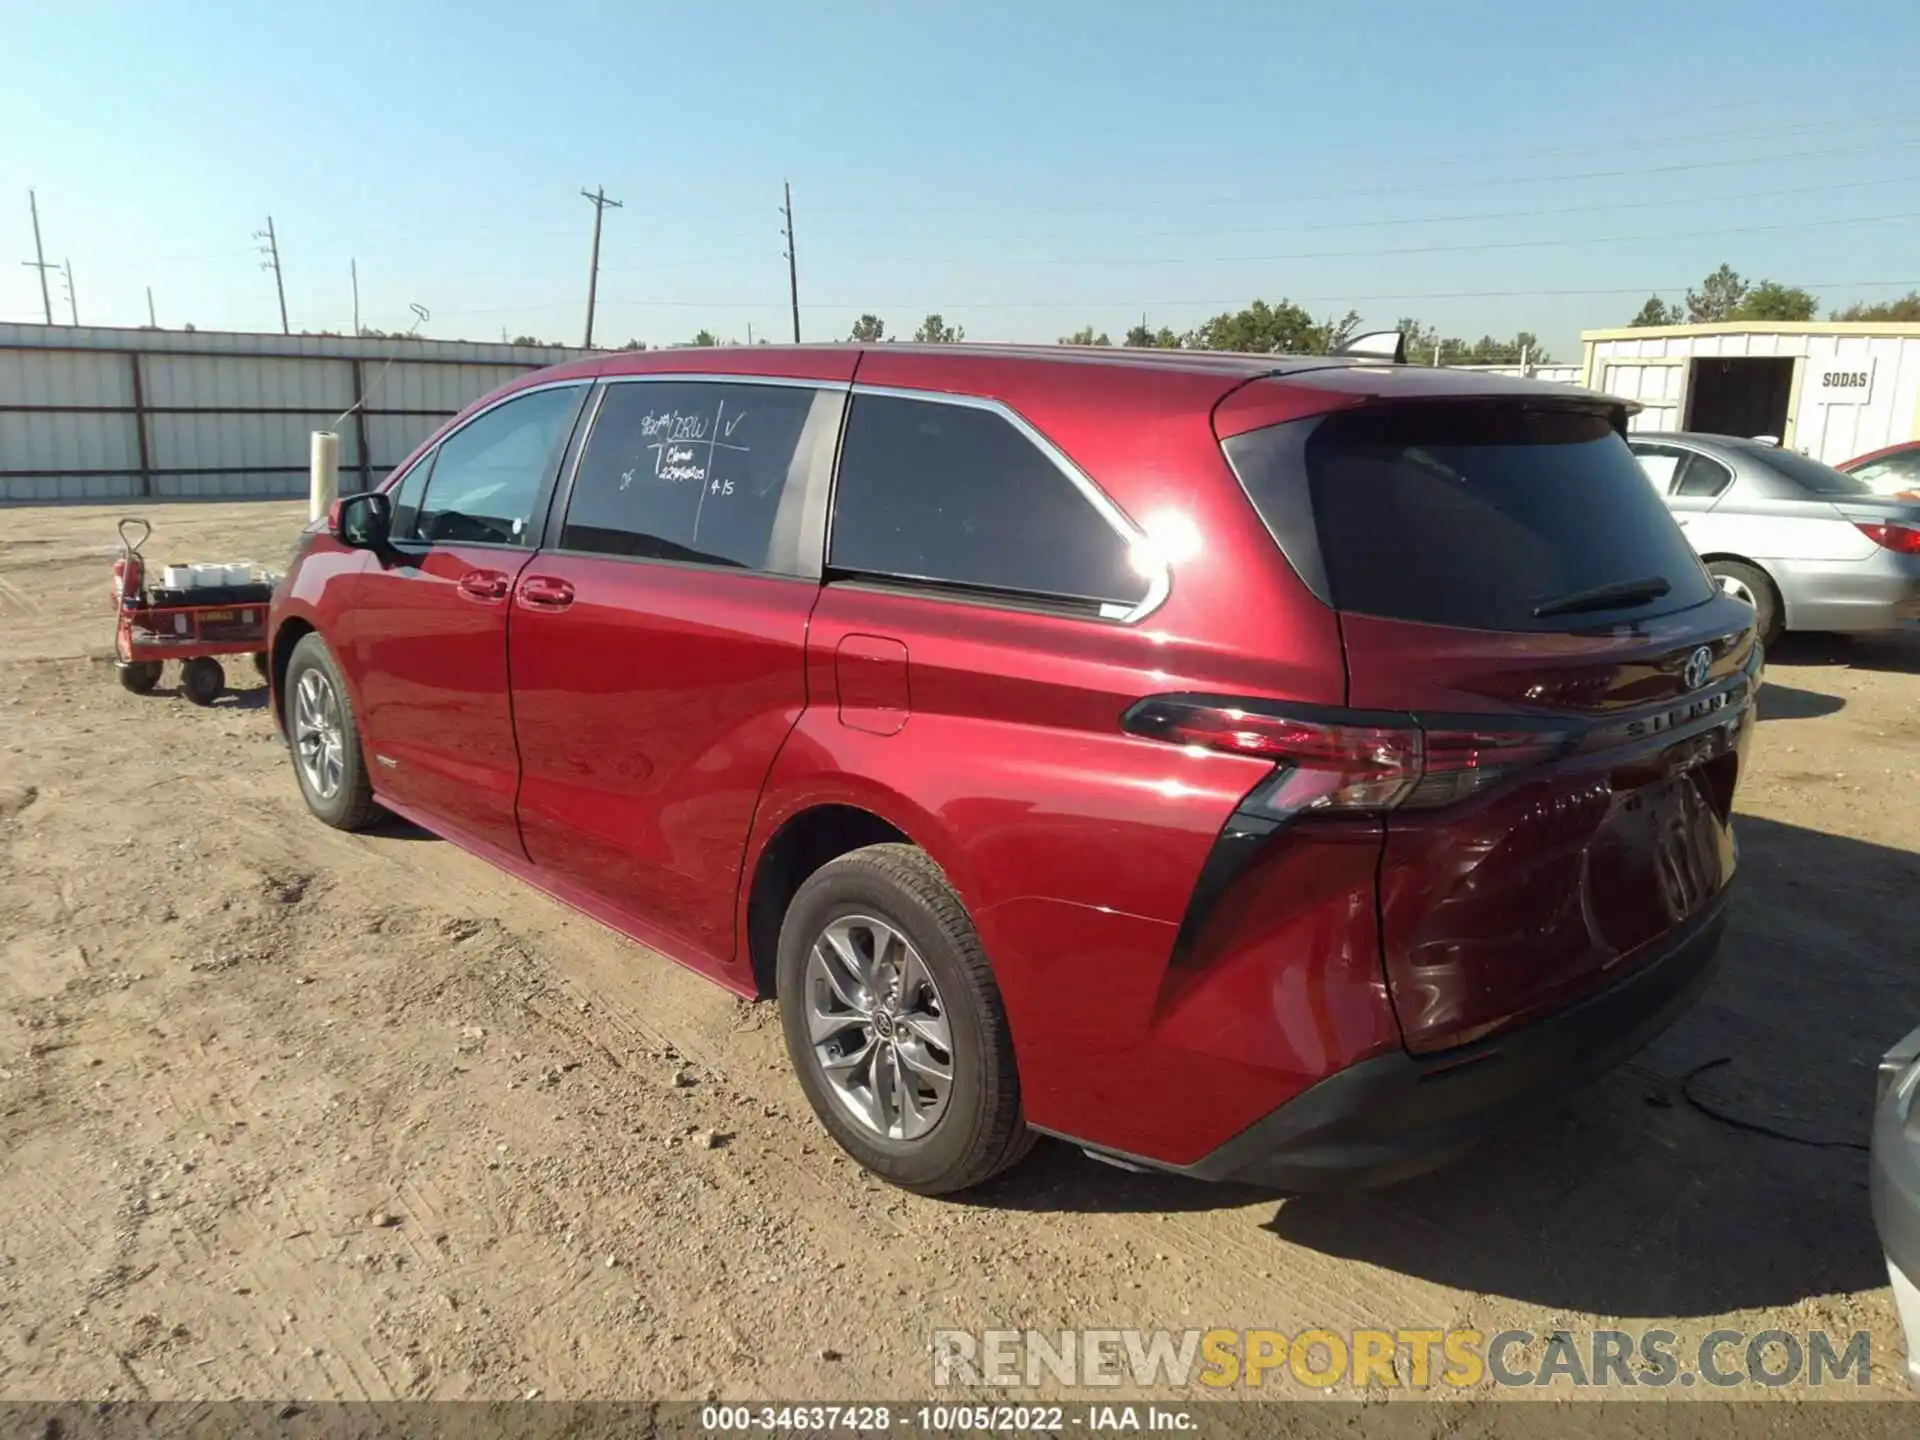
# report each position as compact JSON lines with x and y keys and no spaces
{"x":1350,"y":761}
{"x":1901,"y":539}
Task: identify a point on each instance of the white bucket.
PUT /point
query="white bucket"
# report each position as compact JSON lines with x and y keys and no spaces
{"x":239,"y":573}
{"x":177,"y":577}
{"x":208,"y":575}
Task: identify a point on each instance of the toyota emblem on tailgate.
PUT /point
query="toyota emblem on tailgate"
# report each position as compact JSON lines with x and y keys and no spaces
{"x":1698,"y":664}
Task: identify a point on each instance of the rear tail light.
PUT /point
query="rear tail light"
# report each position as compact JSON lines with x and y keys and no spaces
{"x":1349,"y":762}
{"x":1901,"y":539}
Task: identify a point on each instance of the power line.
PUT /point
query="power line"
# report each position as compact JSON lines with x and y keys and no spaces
{"x":39,"y":261}
{"x":1294,"y":200}
{"x":1560,"y":243}
{"x":272,"y":251}
{"x":1131,"y":302}
{"x":598,"y":195}
{"x":73,"y":304}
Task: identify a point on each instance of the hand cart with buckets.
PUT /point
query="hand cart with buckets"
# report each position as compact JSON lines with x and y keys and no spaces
{"x":195,"y":613}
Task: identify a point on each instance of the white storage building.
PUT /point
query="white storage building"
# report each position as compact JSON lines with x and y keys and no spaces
{"x":1829,"y":389}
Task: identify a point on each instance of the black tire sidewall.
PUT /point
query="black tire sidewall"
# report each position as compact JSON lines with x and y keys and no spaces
{"x":849,"y":886}
{"x":193,"y":689}
{"x":311,"y":653}
{"x":1768,"y":621}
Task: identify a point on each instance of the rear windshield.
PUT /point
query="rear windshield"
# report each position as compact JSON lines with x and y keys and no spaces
{"x":1473,"y":515}
{"x":1809,"y":474}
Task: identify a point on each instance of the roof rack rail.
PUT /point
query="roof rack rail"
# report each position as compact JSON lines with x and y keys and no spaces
{"x":1375,"y":345}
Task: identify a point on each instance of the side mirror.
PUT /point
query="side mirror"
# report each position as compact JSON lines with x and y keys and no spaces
{"x":361,"y":522}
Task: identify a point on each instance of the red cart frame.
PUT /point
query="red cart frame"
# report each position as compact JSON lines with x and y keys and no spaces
{"x":146,"y":635}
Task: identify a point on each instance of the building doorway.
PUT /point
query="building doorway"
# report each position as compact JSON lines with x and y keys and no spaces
{"x":1746,"y":396}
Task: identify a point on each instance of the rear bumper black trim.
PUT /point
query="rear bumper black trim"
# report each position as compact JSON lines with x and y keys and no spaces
{"x":1398,"y":1115}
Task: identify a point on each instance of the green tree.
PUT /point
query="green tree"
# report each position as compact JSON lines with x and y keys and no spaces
{"x":1770,"y":300}
{"x":1718,"y":297}
{"x":704,"y":339}
{"x":634,"y":345}
{"x":1085,"y":336}
{"x":869,"y":330}
{"x":1261,"y":329}
{"x":1658,"y":312}
{"x":1907,"y":307}
{"x":1423,"y":342}
{"x":934,"y":330}
{"x":528,"y":340}
{"x":1141,"y":338}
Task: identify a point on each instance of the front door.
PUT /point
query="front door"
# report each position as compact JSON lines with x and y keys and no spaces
{"x":658,"y":651}
{"x":430,"y":644}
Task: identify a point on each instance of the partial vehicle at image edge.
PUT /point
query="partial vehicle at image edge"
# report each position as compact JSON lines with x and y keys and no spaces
{"x":1346,"y":783}
{"x":1808,"y":546}
{"x":1894,"y":1184}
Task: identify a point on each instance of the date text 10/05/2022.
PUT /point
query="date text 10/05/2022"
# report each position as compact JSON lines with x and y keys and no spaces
{"x":944,"y":1419}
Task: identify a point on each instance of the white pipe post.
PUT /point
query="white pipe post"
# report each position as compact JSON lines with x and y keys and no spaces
{"x":323,"y":480}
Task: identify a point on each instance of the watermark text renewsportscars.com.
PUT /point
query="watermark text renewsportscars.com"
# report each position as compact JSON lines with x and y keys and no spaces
{"x":1415,"y":1359}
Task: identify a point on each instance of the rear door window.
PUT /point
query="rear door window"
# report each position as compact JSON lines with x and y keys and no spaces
{"x":1471,"y":515}
{"x":1703,"y":478}
{"x":956,"y":495}
{"x":692,"y":471}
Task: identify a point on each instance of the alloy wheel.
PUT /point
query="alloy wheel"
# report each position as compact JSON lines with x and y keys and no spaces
{"x":878,"y":1027}
{"x":319,"y":742}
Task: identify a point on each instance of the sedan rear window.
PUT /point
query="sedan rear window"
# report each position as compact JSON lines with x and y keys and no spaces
{"x":1471,"y":515}
{"x":1808,"y":473}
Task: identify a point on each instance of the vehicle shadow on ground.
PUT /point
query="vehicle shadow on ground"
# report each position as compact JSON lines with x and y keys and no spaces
{"x":1896,"y":653}
{"x":391,"y":827}
{"x":1630,"y":1200}
{"x":1783,"y":702}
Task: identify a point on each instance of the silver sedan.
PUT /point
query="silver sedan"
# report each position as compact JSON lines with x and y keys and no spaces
{"x":1808,"y":547}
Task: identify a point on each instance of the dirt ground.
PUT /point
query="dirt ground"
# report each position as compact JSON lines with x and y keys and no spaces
{"x":291,"y":1113}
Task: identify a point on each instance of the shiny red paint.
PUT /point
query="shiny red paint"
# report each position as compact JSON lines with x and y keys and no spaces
{"x":633,"y":737}
{"x":1849,"y":466}
{"x":649,"y":710}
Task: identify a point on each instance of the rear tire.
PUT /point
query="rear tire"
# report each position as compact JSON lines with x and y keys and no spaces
{"x":325,"y":739}
{"x":921,"y":963}
{"x":202,"y":680}
{"x":139,"y":676}
{"x":1753,"y":585}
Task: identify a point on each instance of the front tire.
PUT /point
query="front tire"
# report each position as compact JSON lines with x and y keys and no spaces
{"x":202,"y":680}
{"x":324,"y":738}
{"x":1752,"y":584}
{"x":895,"y":1024}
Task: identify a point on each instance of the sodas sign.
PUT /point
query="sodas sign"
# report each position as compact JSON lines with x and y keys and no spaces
{"x":1841,"y":382}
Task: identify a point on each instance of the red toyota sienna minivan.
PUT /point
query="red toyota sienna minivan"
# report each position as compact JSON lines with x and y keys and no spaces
{"x":1266,"y":768}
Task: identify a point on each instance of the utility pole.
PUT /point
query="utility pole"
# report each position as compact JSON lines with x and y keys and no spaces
{"x":39,"y":261}
{"x":272,"y":251}
{"x":793,"y":270}
{"x":354,"y":265}
{"x":73,"y":305}
{"x":598,"y":195}
{"x":152,"y":323}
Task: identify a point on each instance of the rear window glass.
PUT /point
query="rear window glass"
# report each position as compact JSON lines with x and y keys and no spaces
{"x":1472,"y":515}
{"x":1810,"y":474}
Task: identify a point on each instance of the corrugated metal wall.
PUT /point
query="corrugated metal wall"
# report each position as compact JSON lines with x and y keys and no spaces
{"x":1653,"y":369}
{"x":91,"y":413}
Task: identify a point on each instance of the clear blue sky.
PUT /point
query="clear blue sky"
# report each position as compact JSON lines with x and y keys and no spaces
{"x":1024,"y":168}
